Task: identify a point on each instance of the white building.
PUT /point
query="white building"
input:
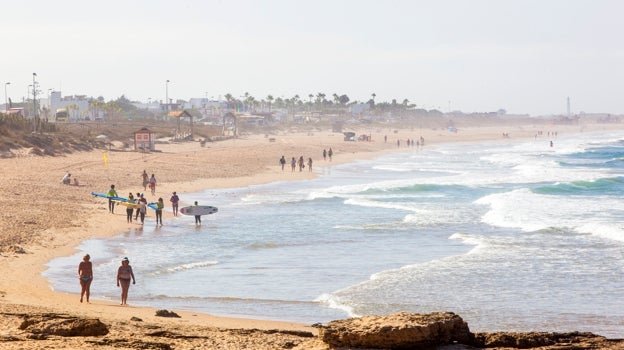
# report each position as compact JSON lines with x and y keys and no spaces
{"x":206,"y":106}
{"x":76,"y":105}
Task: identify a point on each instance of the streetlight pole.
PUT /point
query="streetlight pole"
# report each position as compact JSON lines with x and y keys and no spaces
{"x":34,"y":91}
{"x":167,"y":97}
{"x":6,"y":103}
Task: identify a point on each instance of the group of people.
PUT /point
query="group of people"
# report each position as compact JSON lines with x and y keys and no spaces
{"x":140,"y":202}
{"x":294,"y":163}
{"x":124,"y":276}
{"x":301,"y":162}
{"x":149,"y":181}
{"x":66,"y":180}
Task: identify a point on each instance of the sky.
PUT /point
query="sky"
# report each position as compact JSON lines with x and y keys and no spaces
{"x":526,"y":57}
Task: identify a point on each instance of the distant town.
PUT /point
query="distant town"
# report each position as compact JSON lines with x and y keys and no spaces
{"x":53,"y":107}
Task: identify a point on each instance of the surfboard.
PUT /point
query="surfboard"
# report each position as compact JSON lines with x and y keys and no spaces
{"x":199,"y":210}
{"x":152,"y":206}
{"x":127,"y":204}
{"x":104,"y":195}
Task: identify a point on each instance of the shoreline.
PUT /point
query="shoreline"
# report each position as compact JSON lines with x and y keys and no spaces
{"x":24,"y":284}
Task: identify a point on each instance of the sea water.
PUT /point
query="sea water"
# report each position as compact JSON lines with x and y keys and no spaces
{"x":510,"y":235}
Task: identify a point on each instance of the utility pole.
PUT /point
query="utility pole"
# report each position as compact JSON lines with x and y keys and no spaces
{"x":167,"y":98}
{"x":6,"y":103}
{"x":34,"y":91}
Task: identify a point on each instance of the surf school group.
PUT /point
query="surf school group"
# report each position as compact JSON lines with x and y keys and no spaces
{"x":136,"y":206}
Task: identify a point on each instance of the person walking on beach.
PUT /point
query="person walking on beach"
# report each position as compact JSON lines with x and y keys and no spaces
{"x":301,"y":163}
{"x":159,"y":208}
{"x":324,"y":154}
{"x":174,"y":203}
{"x":129,"y":209}
{"x":111,"y":193}
{"x":138,"y":209}
{"x":282,"y":162}
{"x":145,"y":180}
{"x":330,"y":153}
{"x":197,"y":217}
{"x":152,"y":184}
{"x":293,"y":164}
{"x":124,"y":274}
{"x":85,"y":274}
{"x":310,"y":164}
{"x":142,"y":208}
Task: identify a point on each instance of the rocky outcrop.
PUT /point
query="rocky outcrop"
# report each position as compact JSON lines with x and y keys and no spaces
{"x":41,"y":326}
{"x":446,"y":330}
{"x":166,"y":313}
{"x":397,"y":331}
{"x":531,"y":340}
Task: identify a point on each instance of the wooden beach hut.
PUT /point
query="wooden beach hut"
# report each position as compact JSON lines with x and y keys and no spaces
{"x":144,"y":140}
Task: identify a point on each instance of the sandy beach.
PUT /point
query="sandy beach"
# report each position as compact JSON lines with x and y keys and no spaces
{"x":43,"y":219}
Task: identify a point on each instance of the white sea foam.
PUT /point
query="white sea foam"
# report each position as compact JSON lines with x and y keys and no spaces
{"x":612,"y":231}
{"x":334,"y":302}
{"x":363,"y":202}
{"x":188,"y":266}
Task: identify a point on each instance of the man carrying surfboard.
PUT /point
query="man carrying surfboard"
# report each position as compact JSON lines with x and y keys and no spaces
{"x":197,"y":217}
{"x":110,"y":194}
{"x":129,"y":209}
{"x":159,"y":208}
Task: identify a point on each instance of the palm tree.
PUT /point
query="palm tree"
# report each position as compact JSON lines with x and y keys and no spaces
{"x":229,"y":98}
{"x":270,"y":99}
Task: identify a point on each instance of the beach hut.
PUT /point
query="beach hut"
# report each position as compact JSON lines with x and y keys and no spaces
{"x":182,"y":134}
{"x":144,"y":140}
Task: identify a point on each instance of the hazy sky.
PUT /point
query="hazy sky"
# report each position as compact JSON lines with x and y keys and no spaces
{"x":524,"y":56}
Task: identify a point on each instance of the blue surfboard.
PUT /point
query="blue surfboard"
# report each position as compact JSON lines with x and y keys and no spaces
{"x":104,"y":195}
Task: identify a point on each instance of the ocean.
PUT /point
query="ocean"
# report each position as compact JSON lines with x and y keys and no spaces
{"x":512,"y":235}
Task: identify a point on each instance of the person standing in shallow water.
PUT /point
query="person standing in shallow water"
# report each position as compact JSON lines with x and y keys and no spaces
{"x":85,"y":274}
{"x":159,"y":208}
{"x":130,"y":210}
{"x":124,"y":275}
{"x":197,"y":217}
{"x":174,"y":203}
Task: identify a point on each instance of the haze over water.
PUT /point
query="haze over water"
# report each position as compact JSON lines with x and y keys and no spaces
{"x":511,"y":235}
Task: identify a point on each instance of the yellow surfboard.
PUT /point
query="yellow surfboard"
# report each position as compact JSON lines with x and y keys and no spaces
{"x":128,"y":204}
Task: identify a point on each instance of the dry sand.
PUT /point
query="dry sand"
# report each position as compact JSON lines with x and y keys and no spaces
{"x":43,"y":219}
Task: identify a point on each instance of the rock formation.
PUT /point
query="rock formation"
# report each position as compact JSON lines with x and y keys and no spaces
{"x":397,"y":331}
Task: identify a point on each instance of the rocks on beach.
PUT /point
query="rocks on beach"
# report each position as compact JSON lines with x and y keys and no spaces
{"x":446,"y":330}
{"x":442,"y":330}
